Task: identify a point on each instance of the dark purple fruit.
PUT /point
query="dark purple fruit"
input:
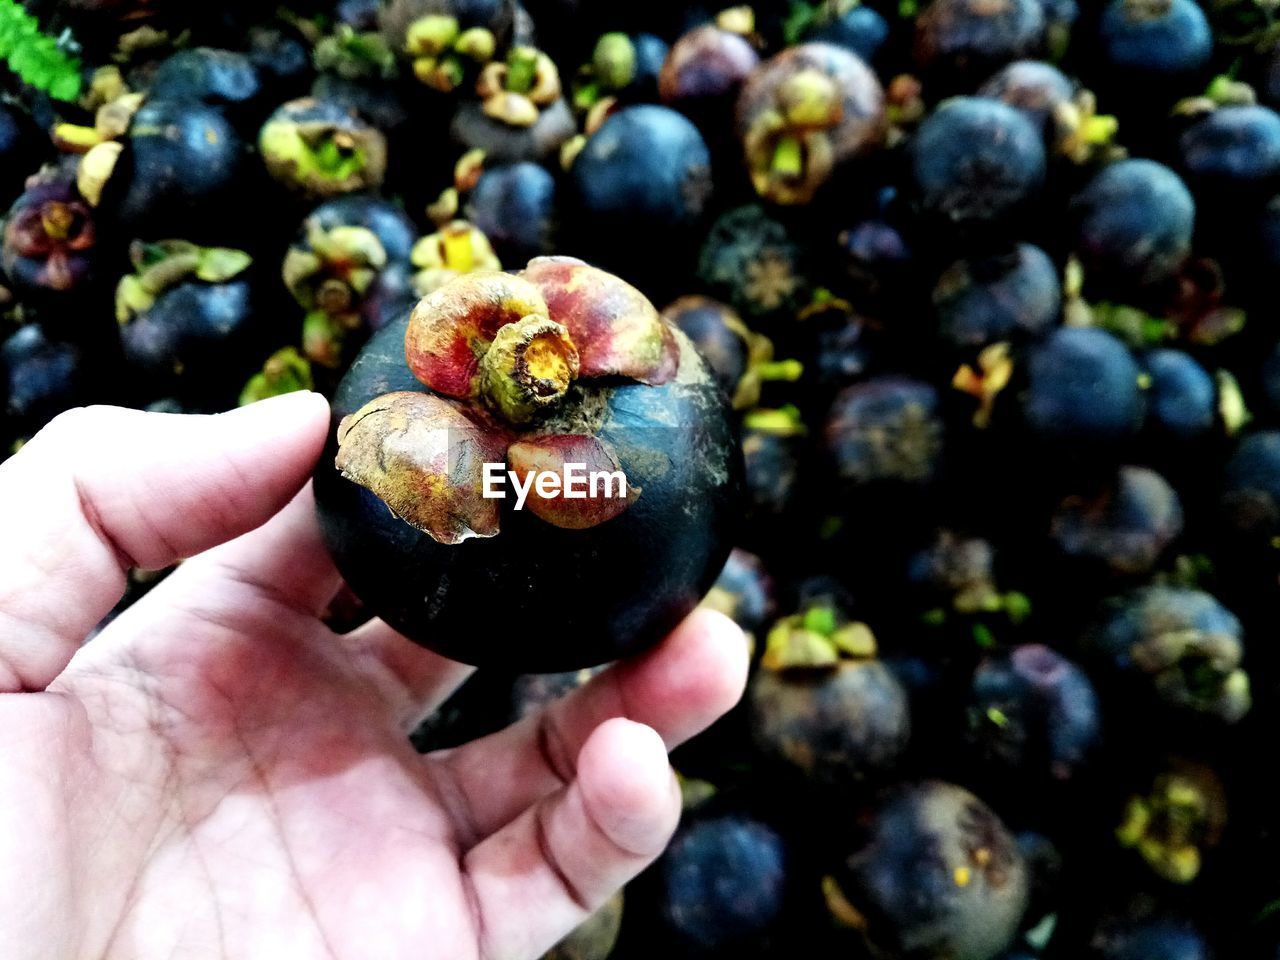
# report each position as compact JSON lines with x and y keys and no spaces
{"x":509,"y":384}
{"x":640,"y":181}
{"x":805,"y":113}
{"x":514,"y":205}
{"x":772,"y":444}
{"x":1154,"y":39}
{"x":965,"y":40}
{"x":723,"y":883}
{"x":349,"y":270}
{"x":1009,"y":295}
{"x":43,"y":378}
{"x":282,"y":58}
{"x":975,"y":164}
{"x":1232,"y":154}
{"x":1123,"y":526}
{"x":1084,"y":384}
{"x":1033,"y":716}
{"x":956,"y":572}
{"x":321,"y":149}
{"x":741,"y":359}
{"x":387,"y":221}
{"x":885,"y":429}
{"x":185,"y":315}
{"x":50,"y":239}
{"x":877,"y":260}
{"x":1133,"y":226}
{"x":720,"y":336}
{"x":939,"y":878}
{"x":179,"y":169}
{"x":823,"y":705}
{"x":505,"y":142}
{"x":1182,"y":400}
{"x":859,"y":29}
{"x":705,"y":69}
{"x":750,"y":261}
{"x":1182,"y":647}
{"x":1038,"y":89}
{"x":1251,"y":491}
{"x":220,"y":78}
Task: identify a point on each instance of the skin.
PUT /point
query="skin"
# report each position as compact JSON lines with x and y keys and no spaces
{"x":218,"y":775}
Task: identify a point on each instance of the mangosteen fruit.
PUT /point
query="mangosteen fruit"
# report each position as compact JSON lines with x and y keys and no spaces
{"x":531,"y":470}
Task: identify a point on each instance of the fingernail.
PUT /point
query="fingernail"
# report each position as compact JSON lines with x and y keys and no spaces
{"x":288,"y":402}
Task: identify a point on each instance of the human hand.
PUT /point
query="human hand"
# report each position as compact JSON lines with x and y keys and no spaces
{"x":217,"y":774}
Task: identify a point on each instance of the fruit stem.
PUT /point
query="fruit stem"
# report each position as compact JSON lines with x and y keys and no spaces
{"x":522,"y":69}
{"x":56,"y":219}
{"x":459,"y":253}
{"x":783,"y":371}
{"x":788,"y":157}
{"x":527,"y":368}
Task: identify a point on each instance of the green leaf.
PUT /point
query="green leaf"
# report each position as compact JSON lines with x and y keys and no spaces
{"x":34,"y":56}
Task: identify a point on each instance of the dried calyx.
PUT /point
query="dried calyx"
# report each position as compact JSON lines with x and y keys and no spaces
{"x":515,"y":91}
{"x":508,"y":360}
{"x":329,"y":276}
{"x":788,"y":150}
{"x":355,"y":55}
{"x":1172,"y":825}
{"x":1199,"y":670}
{"x":802,"y":114}
{"x":52,"y":226}
{"x":319,"y":147}
{"x":442,"y":52}
{"x":458,"y":247}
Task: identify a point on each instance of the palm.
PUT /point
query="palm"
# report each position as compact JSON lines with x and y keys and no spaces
{"x":287,"y":797}
{"x":219,"y":775}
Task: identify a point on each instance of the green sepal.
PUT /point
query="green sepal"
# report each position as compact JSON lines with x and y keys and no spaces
{"x":1231,"y":404}
{"x":781,"y":422}
{"x":614,"y":60}
{"x":162,"y":265}
{"x":132,"y":298}
{"x":694,"y":793}
{"x":285,"y":371}
{"x":220,"y":264}
{"x":816,"y":640}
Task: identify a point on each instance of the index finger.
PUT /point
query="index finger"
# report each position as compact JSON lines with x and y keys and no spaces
{"x":103,"y":489}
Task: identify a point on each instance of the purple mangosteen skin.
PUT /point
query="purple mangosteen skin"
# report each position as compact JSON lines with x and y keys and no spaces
{"x":536,"y":598}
